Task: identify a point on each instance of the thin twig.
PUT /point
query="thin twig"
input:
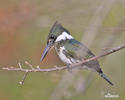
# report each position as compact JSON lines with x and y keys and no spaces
{"x":20,"y":66}
{"x":24,"y":77}
{"x":27,"y":63}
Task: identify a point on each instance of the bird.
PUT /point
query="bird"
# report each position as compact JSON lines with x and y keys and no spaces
{"x":71,"y":51}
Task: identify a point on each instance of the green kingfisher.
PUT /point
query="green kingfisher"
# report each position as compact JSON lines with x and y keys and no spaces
{"x":71,"y":51}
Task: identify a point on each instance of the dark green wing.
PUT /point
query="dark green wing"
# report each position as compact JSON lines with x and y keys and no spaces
{"x":77,"y":49}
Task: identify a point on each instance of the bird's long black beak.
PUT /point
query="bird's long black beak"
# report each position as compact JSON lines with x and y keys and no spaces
{"x":47,"y":48}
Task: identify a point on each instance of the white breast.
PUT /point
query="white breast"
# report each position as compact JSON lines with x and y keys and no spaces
{"x":63,"y":57}
{"x":66,"y":60}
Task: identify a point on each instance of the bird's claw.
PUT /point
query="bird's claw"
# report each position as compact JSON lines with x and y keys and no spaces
{"x":69,"y":69}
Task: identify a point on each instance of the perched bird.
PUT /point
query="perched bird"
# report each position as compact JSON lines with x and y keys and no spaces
{"x":71,"y":51}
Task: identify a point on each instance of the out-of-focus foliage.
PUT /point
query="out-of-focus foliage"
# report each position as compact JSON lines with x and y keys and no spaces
{"x":24,"y":26}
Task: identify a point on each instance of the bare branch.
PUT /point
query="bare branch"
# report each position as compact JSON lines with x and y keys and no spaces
{"x":37,"y":69}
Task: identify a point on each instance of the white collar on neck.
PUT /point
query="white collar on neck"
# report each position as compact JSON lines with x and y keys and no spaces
{"x":64,"y":36}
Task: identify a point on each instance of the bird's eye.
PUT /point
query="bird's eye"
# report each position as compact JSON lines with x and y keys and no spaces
{"x":52,"y":37}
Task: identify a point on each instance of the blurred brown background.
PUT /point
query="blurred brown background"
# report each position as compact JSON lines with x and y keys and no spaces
{"x":24,"y":26}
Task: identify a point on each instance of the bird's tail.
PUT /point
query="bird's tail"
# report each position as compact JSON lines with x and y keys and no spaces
{"x":104,"y":76}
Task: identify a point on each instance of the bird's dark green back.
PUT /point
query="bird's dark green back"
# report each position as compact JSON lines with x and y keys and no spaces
{"x":80,"y":52}
{"x":77,"y":49}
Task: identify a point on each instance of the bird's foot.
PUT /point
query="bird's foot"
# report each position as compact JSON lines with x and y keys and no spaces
{"x":69,"y":68}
